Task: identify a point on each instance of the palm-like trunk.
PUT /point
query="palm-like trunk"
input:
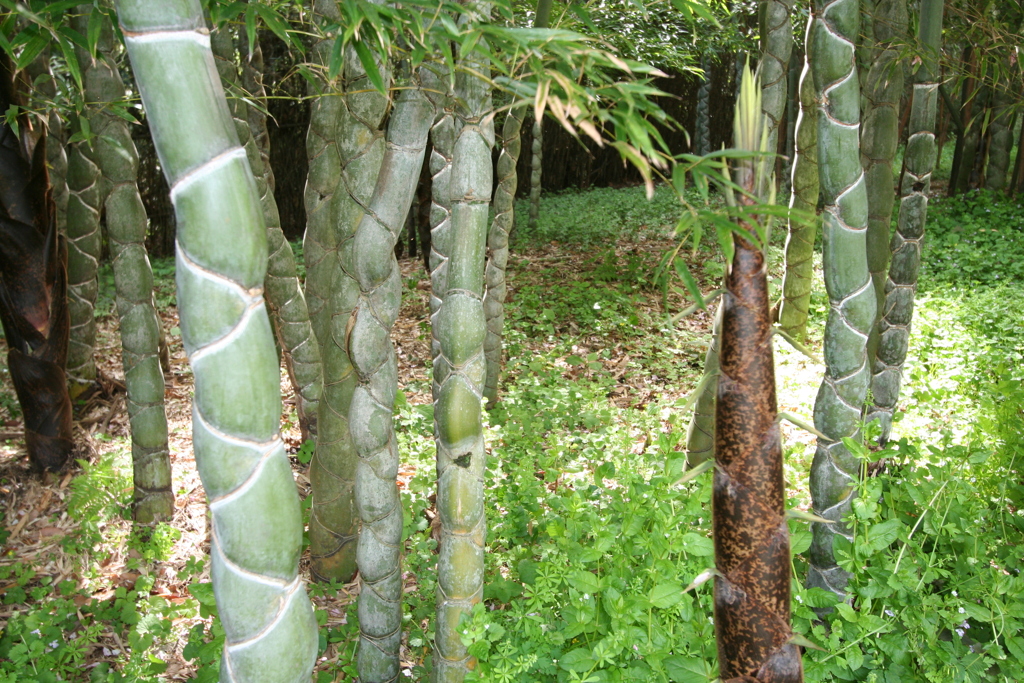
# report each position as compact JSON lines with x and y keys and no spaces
{"x":703,"y":123}
{"x":256,"y":528}
{"x":906,"y":243}
{"x":803,"y":224}
{"x":879,"y":139}
{"x":284,"y":296}
{"x":837,"y":410}
{"x":33,"y":291}
{"x":442,"y":144}
{"x":497,"y":248}
{"x":459,"y":372}
{"x":113,"y":153}
{"x":345,"y":146}
{"x":375,"y":362}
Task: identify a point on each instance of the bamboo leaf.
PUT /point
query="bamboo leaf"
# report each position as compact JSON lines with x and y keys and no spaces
{"x":805,"y":516}
{"x":802,"y":641}
{"x":370,"y":65}
{"x":695,"y":472}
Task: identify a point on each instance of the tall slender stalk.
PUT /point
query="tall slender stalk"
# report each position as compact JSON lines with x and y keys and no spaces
{"x":879,"y":139}
{"x":542,"y":19}
{"x":371,"y":413}
{"x":44,"y":88}
{"x":901,"y":285}
{"x":837,"y":410}
{"x":776,"y":50}
{"x":442,"y":144}
{"x":460,"y":371}
{"x":803,"y":221}
{"x":345,"y":145}
{"x":1002,"y":139}
{"x":113,"y":153}
{"x":256,"y":528}
{"x":703,"y":123}
{"x":285,"y":300}
{"x":497,"y":248}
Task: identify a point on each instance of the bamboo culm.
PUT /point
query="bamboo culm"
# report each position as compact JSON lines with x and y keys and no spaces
{"x":113,"y":153}
{"x":459,"y":373}
{"x":803,"y":221}
{"x":497,"y":248}
{"x":256,"y":522}
{"x":901,"y":285}
{"x":839,"y":404}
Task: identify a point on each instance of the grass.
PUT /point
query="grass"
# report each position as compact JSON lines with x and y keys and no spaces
{"x":592,"y":542}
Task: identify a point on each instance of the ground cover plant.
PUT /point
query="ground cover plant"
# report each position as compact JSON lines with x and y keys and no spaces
{"x":593,"y":539}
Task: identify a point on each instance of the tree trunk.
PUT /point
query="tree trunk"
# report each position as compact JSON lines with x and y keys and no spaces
{"x":906,"y":243}
{"x":703,"y":125}
{"x":1001,"y":139}
{"x":837,"y":410}
{"x":114,"y":155}
{"x":285,"y":301}
{"x":497,"y":248}
{"x":459,"y":373}
{"x":776,"y":49}
{"x":345,"y":147}
{"x":879,"y":139}
{"x":270,"y":632}
{"x":803,"y":226}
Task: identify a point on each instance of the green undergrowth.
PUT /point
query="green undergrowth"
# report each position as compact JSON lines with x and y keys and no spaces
{"x":598,"y":556}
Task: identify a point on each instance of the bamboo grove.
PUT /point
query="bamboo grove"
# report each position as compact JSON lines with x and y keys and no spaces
{"x":448,"y":87}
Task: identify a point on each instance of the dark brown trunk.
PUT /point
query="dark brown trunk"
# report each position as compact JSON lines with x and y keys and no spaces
{"x":752,"y":591}
{"x":33,"y":290}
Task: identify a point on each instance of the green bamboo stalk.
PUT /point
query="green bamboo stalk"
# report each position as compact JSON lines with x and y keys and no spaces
{"x":703,"y":124}
{"x":442,"y":142}
{"x":84,"y":245}
{"x":776,"y":50}
{"x":536,"y":168}
{"x":371,"y":412}
{"x":906,"y":243}
{"x":1002,"y":139}
{"x":285,"y":300}
{"x":460,"y":371}
{"x":803,"y":222}
{"x":256,"y":528}
{"x":345,"y":145}
{"x":881,"y":89}
{"x":837,"y":410}
{"x":497,"y":248}
{"x":113,"y":153}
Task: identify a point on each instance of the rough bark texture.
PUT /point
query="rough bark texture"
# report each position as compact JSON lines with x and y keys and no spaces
{"x":114,"y":155}
{"x":285,"y":300}
{"x":803,"y":227}
{"x":256,"y":523}
{"x":497,"y":248}
{"x":45,"y":92}
{"x":838,"y":408}
{"x":901,"y":285}
{"x":879,"y":139}
{"x":371,"y":413}
{"x":345,"y":146}
{"x":752,"y":590}
{"x":442,"y":143}
{"x":459,"y":373}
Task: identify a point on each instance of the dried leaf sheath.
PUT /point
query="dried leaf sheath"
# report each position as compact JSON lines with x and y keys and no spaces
{"x":752,"y":593}
{"x":33,"y":293}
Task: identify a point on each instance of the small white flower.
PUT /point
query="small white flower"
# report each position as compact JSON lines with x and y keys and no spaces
{"x":890,"y":613}
{"x":586,"y":596}
{"x":955,"y":594}
{"x":962,"y":610}
{"x":597,"y":305}
{"x":960,"y":632}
